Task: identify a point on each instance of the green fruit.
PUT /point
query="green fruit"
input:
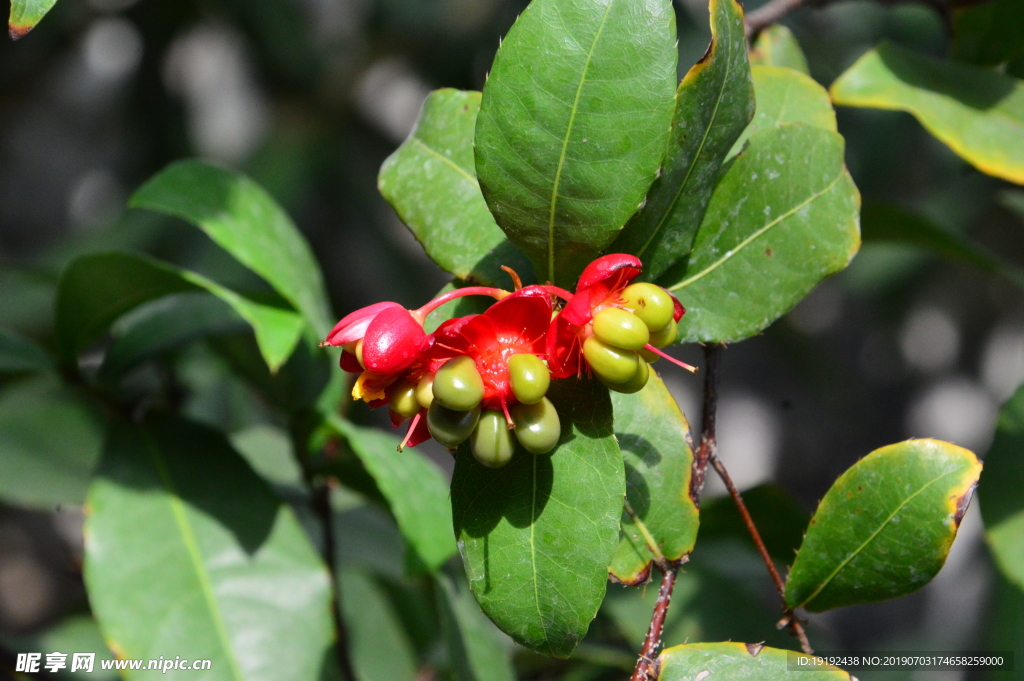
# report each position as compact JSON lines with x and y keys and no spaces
{"x":633,"y":385}
{"x":651,"y":303}
{"x":492,"y":442}
{"x":537,"y":426}
{"x":666,"y":336}
{"x":608,"y":362}
{"x":425,"y":391}
{"x":402,"y":399}
{"x":621,"y":328}
{"x":530,"y":378}
{"x":451,"y":428}
{"x":457,"y":384}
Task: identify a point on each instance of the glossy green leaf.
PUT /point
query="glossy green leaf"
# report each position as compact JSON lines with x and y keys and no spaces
{"x":779,"y":520}
{"x":95,"y":290}
{"x":573,"y":125}
{"x":165,"y":325}
{"x":414,"y":488}
{"x":50,"y":442}
{"x":431,"y":182}
{"x":25,"y":14}
{"x":786,"y":96}
{"x":737,"y":662}
{"x":777,"y":46}
{"x":884,"y":528}
{"x":784,"y":216}
{"x":475,"y":651}
{"x":654,"y":437}
{"x":1002,"y":504}
{"x":20,"y":355}
{"x":537,"y":536}
{"x":885,"y":222}
{"x":245,"y":221}
{"x":714,"y":103}
{"x":978,"y":113}
{"x":228,"y":572}
{"x":377,"y":645}
{"x":989,"y":33}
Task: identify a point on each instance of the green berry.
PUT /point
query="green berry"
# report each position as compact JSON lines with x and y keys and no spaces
{"x":529,"y":376}
{"x":425,"y":391}
{"x":633,"y":385}
{"x":451,"y":428}
{"x":651,"y":303}
{"x":666,"y":336}
{"x":457,"y":384}
{"x":402,"y":399}
{"x":537,"y":426}
{"x":492,"y":442}
{"x":609,"y":362}
{"x":621,"y":328}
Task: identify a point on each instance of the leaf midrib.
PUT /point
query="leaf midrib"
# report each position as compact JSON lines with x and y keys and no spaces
{"x":856,"y":552}
{"x":696,"y":156}
{"x":565,"y":144}
{"x":447,"y":160}
{"x":195,"y":556}
{"x":743,"y":244}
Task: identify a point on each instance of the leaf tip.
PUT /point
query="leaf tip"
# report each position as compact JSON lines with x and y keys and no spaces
{"x":18,"y":31}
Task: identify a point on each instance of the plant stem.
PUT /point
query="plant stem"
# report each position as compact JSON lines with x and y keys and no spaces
{"x":653,"y":639}
{"x":790,"y":619}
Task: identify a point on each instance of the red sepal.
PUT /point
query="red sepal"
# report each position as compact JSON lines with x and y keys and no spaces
{"x":679,"y":310}
{"x":349,"y":363}
{"x":393,"y":341}
{"x":352,"y":326}
{"x":621,"y":267}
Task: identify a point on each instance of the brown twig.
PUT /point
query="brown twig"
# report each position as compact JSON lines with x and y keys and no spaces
{"x":790,"y":619}
{"x":653,"y":639}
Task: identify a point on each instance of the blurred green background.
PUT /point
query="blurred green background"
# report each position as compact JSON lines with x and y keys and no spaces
{"x":309,"y":96}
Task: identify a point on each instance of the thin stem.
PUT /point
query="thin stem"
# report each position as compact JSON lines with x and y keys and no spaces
{"x":677,"y":362}
{"x":495,"y":293}
{"x":653,"y":639}
{"x":708,"y":443}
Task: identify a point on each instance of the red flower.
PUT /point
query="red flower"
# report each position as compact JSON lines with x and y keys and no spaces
{"x":600,"y":286}
{"x":392,"y":338}
{"x":514,"y":325}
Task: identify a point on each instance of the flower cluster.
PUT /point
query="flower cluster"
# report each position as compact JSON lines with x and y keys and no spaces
{"x":484,"y":378}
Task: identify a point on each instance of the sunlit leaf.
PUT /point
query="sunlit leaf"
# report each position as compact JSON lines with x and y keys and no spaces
{"x":377,"y":644}
{"x":714,"y":103}
{"x":228,"y":572}
{"x":413,"y":487}
{"x":978,"y":113}
{"x":885,"y":527}
{"x":431,"y":182}
{"x":777,"y":46}
{"x":573,"y":125}
{"x":1002,"y":504}
{"x":245,"y":221}
{"x":654,"y":437}
{"x":737,"y":662}
{"x":97,"y":289}
{"x":784,"y":216}
{"x":537,"y":536}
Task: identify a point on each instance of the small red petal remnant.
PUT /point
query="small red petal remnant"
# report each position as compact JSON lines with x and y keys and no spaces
{"x":350,"y":363}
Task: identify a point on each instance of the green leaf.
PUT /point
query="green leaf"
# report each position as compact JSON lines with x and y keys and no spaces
{"x":783,"y":217}
{"x":978,"y":113}
{"x":413,"y":487}
{"x":50,"y":442}
{"x":780,"y":521}
{"x":245,"y":221}
{"x":377,"y":645}
{"x":573,"y":125}
{"x":1002,"y":505}
{"x":714,"y":103}
{"x":884,"y":528}
{"x":475,"y":652}
{"x":537,"y":536}
{"x":76,"y":633}
{"x":655,"y":441}
{"x":95,"y":290}
{"x":19,"y":355}
{"x":989,"y":33}
{"x":228,"y":572}
{"x":431,"y":182}
{"x":786,"y":96}
{"x":165,"y":325}
{"x":738,"y":662}
{"x":777,"y":46}
{"x":885,"y":222}
{"x":25,"y":14}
